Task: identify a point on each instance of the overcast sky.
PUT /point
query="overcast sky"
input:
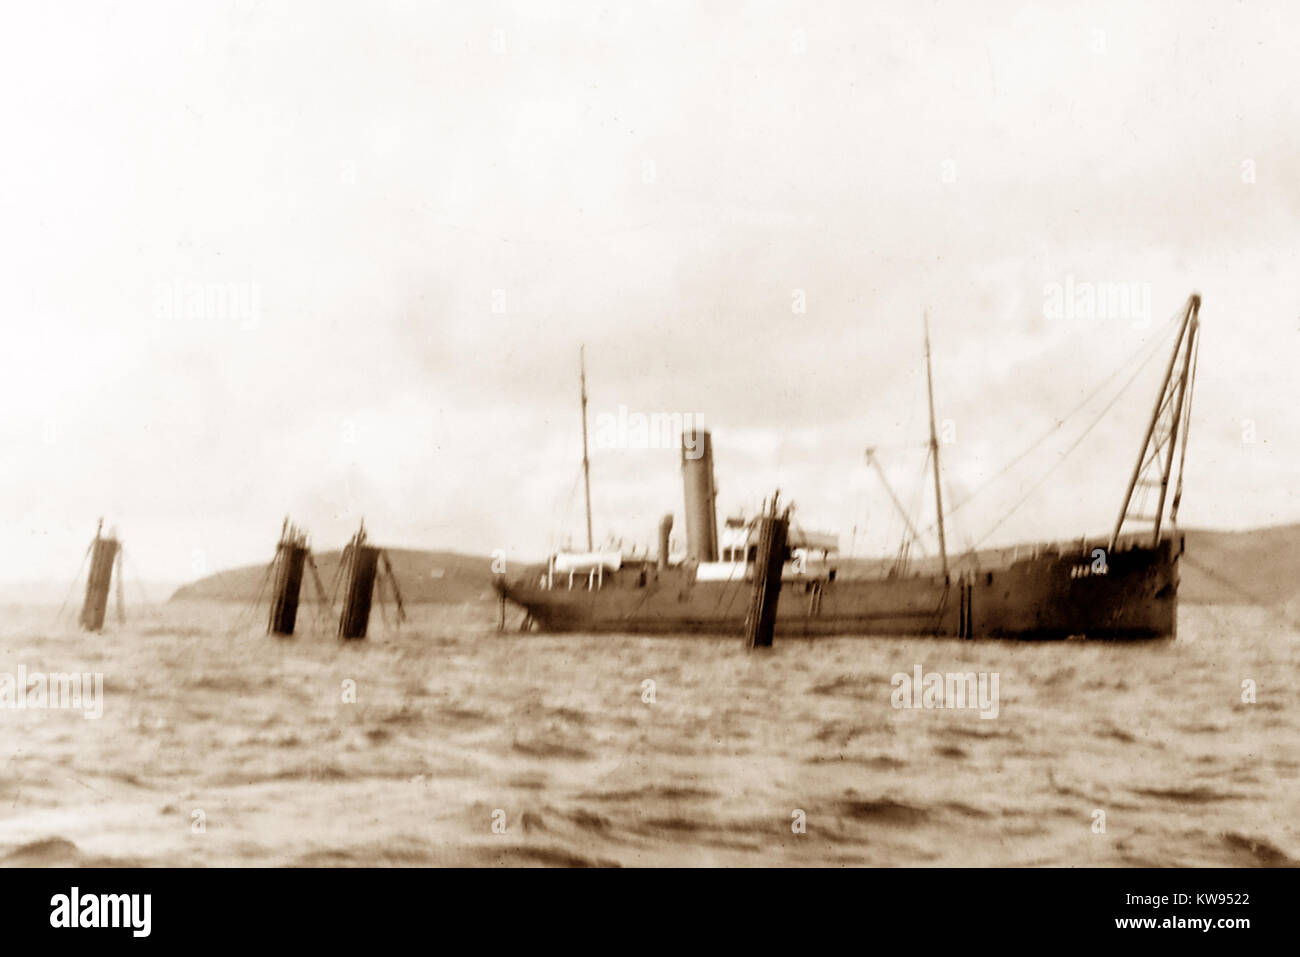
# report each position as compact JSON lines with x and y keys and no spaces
{"x":336,"y":260}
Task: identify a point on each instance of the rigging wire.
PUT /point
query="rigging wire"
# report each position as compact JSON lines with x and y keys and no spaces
{"x":339,"y":569}
{"x":323,"y":600}
{"x":1066,"y":454}
{"x":1143,"y":355}
{"x":250,"y":609}
{"x":1269,"y":607}
{"x":914,"y":514}
{"x":557,"y":535}
{"x":138,"y":581}
{"x":1187,"y":421}
{"x":73,"y":587}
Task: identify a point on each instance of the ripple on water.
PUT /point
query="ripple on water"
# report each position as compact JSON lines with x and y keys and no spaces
{"x":1198,"y":795}
{"x":1258,"y":851}
{"x":882,"y":811}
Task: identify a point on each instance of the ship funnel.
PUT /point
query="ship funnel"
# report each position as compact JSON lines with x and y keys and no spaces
{"x":665,"y":530}
{"x":701,"y":496}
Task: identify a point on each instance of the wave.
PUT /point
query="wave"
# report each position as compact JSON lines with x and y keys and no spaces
{"x":1200,"y":795}
{"x":1258,"y":850}
{"x":883,"y":811}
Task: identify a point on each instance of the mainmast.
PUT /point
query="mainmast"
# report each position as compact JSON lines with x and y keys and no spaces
{"x":934,"y":451}
{"x":586,"y":464}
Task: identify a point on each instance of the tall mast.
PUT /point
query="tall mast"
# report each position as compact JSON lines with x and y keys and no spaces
{"x":586,"y":464}
{"x":934,"y":450}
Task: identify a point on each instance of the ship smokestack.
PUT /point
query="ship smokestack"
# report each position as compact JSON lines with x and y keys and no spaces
{"x":701,"y":496}
{"x":665,"y":530}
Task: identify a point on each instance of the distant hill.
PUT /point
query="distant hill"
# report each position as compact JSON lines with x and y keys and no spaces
{"x":423,"y":577}
{"x":1260,"y":566}
{"x":1255,"y":567}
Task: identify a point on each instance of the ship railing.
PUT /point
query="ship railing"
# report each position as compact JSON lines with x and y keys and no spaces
{"x":1084,"y":546}
{"x":595,"y":578}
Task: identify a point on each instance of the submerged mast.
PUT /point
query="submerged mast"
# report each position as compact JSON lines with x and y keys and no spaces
{"x":934,"y":451}
{"x":586,"y":464}
{"x":103,"y":555}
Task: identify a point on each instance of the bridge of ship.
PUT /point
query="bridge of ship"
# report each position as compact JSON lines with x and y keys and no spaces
{"x":810,"y":556}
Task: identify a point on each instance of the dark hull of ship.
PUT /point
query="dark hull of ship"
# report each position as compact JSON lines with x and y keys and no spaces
{"x":1048,"y":596}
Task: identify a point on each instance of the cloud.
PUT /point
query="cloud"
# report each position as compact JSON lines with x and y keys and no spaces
{"x":745,"y":219}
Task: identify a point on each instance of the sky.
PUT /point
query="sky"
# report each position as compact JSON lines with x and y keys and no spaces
{"x":336,"y":261}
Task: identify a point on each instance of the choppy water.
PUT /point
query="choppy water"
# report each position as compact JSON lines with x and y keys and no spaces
{"x":454,"y":722}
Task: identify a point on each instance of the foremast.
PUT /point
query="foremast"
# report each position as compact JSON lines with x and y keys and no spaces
{"x":1169,"y":419}
{"x":586,"y":463}
{"x":934,"y":452}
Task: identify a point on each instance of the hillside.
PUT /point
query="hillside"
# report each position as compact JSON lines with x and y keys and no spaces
{"x":423,"y":577}
{"x":1260,"y":566}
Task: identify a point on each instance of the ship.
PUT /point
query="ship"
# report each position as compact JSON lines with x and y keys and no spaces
{"x":1123,"y":586}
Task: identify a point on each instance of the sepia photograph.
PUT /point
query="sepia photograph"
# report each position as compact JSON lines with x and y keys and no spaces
{"x":747,"y":435}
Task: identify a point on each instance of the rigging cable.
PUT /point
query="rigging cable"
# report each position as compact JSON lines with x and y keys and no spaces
{"x":1145,"y":357}
{"x":249,"y":610}
{"x":138,"y":581}
{"x":1066,"y":454}
{"x":73,"y":587}
{"x":323,"y":599}
{"x":1187,"y":421}
{"x":1270,"y":608}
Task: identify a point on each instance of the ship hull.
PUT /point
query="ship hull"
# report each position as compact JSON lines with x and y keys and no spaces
{"x":1131,"y":594}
